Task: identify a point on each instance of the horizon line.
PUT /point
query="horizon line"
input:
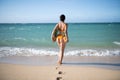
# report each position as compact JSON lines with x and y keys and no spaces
{"x":50,"y":22}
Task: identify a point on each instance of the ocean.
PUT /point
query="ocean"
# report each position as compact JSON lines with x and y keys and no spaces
{"x":34,"y":39}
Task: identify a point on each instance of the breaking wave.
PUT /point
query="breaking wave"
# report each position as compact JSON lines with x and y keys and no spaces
{"x":14,"y":51}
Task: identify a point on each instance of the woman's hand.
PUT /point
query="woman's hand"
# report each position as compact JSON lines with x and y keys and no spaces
{"x":67,"y":40}
{"x":53,"y":39}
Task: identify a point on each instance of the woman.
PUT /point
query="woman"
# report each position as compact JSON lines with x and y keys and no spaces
{"x":60,"y":35}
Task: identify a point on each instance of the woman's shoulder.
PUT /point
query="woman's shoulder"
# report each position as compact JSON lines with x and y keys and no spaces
{"x":66,"y":24}
{"x":61,"y":22}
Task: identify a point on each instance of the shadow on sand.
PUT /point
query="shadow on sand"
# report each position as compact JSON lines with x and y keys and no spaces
{"x":94,"y":64}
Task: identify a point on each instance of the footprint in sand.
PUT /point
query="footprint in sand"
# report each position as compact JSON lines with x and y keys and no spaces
{"x":56,"y":67}
{"x":60,"y":73}
{"x":58,"y":78}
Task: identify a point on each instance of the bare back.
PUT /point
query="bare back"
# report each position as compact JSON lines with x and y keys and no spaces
{"x":62,"y":26}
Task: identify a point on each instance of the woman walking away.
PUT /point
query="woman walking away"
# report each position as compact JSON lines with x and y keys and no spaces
{"x":60,"y":35}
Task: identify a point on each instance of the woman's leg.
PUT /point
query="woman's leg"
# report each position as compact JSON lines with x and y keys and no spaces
{"x":61,"y":45}
{"x":62,"y":51}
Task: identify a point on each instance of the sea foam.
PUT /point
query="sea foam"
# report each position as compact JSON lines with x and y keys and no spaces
{"x":116,"y":42}
{"x":12,"y":51}
{"x":20,"y":38}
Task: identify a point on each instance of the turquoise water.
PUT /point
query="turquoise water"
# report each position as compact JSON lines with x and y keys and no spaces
{"x":81,"y":36}
{"x":99,"y":35}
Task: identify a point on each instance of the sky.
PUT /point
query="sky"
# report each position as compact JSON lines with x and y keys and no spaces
{"x":48,"y":11}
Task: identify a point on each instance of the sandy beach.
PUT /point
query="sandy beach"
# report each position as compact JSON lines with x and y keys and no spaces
{"x":67,"y":71}
{"x":23,"y":72}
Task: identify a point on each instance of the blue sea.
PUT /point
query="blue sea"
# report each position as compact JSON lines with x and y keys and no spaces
{"x":34,"y":39}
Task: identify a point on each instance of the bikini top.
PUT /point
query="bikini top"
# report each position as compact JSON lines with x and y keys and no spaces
{"x":60,"y":28}
{"x":61,"y":31}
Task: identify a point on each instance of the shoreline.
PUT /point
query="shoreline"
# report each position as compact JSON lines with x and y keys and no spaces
{"x":108,"y":62}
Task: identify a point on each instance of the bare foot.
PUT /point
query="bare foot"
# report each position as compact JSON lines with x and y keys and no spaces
{"x":59,"y":62}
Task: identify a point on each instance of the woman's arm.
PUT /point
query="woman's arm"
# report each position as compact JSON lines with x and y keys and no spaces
{"x":67,"y":32}
{"x":53,"y":33}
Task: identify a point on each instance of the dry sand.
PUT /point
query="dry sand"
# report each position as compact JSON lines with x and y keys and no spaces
{"x":51,"y":72}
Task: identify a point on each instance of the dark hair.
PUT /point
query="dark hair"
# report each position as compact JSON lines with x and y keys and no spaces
{"x":62,"y":17}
